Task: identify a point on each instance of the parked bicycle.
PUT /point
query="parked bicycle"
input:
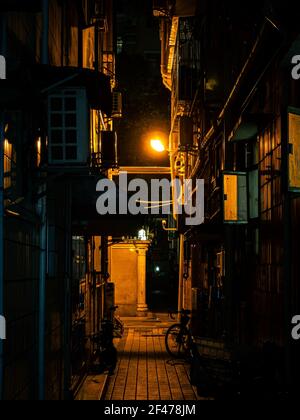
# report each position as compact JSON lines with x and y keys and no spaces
{"x":178,"y":338}
{"x":118,"y":325}
{"x":105,"y":353}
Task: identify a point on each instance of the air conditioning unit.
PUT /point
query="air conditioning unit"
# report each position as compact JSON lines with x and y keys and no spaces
{"x":117,"y":111}
{"x":68,"y":113}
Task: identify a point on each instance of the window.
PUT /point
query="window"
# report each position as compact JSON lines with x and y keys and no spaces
{"x":38,"y":152}
{"x":10,"y":161}
{"x":68,"y":127}
{"x":109,"y":66}
{"x":235,"y":197}
{"x":88,"y":50}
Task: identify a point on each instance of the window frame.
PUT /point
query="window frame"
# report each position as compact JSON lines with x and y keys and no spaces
{"x":81,"y":127}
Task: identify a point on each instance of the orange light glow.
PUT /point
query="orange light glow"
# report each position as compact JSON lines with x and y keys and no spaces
{"x":157,"y":145}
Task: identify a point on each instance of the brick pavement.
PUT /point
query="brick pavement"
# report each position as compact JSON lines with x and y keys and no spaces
{"x":145,"y":371}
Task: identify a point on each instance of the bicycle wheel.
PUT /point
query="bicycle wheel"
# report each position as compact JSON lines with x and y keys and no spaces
{"x":177,"y":341}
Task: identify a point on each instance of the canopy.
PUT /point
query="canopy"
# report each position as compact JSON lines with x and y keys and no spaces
{"x":25,"y":85}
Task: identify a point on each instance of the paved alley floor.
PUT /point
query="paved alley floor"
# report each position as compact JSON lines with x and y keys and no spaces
{"x":145,"y":371}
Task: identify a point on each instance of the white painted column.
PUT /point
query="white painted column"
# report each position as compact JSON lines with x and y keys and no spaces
{"x":142,"y":307}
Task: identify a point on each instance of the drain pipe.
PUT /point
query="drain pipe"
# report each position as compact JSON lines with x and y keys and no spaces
{"x":181,"y":273}
{"x":42,"y":292}
{"x":3,"y":51}
{"x":45,"y":32}
{"x":1,"y":246}
{"x":42,"y":210}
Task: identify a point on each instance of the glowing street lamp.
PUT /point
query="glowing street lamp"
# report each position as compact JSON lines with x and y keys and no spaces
{"x":157,"y":145}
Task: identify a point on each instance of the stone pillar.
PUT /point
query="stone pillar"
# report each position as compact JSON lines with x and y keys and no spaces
{"x":142,"y":307}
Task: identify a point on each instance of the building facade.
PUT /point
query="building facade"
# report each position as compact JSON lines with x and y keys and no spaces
{"x":234,"y":121}
{"x":57,"y":136}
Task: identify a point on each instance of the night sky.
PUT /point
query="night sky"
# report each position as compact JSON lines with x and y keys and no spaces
{"x":145,"y":99}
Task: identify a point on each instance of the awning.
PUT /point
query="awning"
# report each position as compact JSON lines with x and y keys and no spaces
{"x":249,"y":126}
{"x":97,"y":84}
{"x":244,"y":131}
{"x":26,"y":85}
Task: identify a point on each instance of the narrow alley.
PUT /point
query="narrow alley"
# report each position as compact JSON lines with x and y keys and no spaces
{"x":149,"y":201}
{"x":144,"y":370}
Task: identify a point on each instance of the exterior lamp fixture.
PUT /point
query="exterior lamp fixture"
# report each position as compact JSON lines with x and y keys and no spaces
{"x":142,"y":236}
